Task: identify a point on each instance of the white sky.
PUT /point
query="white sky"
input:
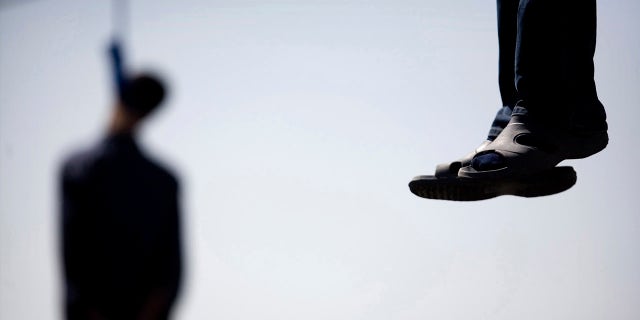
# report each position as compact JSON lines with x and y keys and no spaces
{"x":296,"y":126}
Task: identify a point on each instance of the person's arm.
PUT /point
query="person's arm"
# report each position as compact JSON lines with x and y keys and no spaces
{"x":70,"y":237}
{"x":74,"y":204}
{"x":169,"y":271}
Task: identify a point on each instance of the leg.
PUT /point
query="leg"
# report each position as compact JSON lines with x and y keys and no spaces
{"x":450,"y":181}
{"x":558,"y":115}
{"x":554,"y":61}
{"x":507,"y":31}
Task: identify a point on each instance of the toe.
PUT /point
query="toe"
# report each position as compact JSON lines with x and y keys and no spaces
{"x":488,"y":161}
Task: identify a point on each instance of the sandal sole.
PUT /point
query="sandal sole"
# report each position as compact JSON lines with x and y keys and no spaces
{"x":549,"y":182}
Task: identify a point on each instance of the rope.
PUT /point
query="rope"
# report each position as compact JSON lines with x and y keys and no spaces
{"x":120,"y":23}
{"x":120,"y":19}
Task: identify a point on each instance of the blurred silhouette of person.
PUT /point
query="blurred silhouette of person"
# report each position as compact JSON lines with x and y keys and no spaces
{"x":120,"y":224}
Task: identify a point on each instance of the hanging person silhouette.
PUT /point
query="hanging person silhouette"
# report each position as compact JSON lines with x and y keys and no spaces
{"x":551,"y":111}
{"x":120,"y":223}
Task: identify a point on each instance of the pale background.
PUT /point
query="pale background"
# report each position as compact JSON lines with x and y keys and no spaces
{"x":296,"y":125}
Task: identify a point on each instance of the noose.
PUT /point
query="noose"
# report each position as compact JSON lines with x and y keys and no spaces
{"x":120,"y":26}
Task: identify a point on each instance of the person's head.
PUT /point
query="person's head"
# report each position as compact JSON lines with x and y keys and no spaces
{"x":140,"y":96}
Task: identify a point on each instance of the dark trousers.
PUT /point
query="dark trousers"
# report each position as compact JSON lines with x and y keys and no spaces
{"x":546,"y":61}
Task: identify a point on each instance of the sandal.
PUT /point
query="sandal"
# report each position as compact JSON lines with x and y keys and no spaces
{"x":526,"y":147}
{"x":450,"y":170}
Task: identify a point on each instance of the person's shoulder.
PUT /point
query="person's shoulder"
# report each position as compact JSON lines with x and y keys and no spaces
{"x":82,"y":161}
{"x":163,"y":172}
